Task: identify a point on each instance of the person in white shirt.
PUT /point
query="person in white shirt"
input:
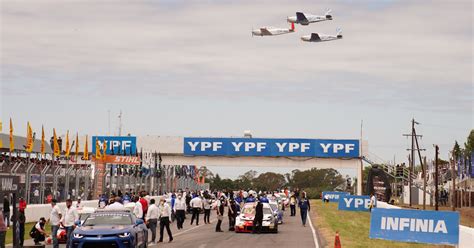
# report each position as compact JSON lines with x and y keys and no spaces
{"x":196,"y":205}
{"x":116,"y":205}
{"x":165,"y":215}
{"x":373,"y":202}
{"x":138,"y":209}
{"x":54,"y":220}
{"x":152,"y":216}
{"x":180,"y":210}
{"x":68,"y":220}
{"x":206,"y":203}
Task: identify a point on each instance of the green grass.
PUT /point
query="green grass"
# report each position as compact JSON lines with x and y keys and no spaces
{"x":353,"y":227}
{"x":28,"y":226}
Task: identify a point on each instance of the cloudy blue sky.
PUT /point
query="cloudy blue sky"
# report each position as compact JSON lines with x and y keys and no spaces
{"x":192,"y":68}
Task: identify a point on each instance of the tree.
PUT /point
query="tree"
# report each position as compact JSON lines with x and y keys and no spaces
{"x":469,"y":144}
{"x":203,"y":170}
{"x":269,"y":181}
{"x":457,"y":150}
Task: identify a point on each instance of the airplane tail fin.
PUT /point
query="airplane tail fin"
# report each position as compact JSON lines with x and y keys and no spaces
{"x":328,"y":15}
{"x":339,"y":33}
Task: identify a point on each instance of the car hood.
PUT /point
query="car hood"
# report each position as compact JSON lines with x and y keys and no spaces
{"x":102,"y":230}
{"x":251,"y":216}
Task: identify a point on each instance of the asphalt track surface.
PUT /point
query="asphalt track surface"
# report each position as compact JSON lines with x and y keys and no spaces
{"x":290,"y":234}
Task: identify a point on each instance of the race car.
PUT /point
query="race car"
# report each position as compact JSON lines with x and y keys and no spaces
{"x":244,"y":221}
{"x":277,"y":211}
{"x":83,"y":214}
{"x":111,"y":228}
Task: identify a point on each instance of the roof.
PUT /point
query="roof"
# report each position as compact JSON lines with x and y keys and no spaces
{"x":20,"y":142}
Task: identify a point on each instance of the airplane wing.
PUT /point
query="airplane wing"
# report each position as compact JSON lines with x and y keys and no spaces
{"x":265,"y":31}
{"x":315,"y":37}
{"x":300,"y":17}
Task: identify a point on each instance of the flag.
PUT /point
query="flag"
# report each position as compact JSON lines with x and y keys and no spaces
{"x":98,"y":155}
{"x":29,"y":138}
{"x":12,"y":143}
{"x":68,"y":149}
{"x":104,"y":146}
{"x":42,"y":140}
{"x":86,"y":152}
{"x":56,"y":150}
{"x":77,"y":145}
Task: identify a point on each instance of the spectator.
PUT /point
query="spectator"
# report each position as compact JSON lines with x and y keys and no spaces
{"x":220,"y":213}
{"x":304,"y":207}
{"x":292,"y":205}
{"x":54,"y":220}
{"x":373,"y":202}
{"x":258,"y":219}
{"x":21,"y":226}
{"x":232,"y":214}
{"x":165,"y":213}
{"x":68,"y":221}
{"x":152,"y":219}
{"x":116,"y":205}
{"x":180,"y":210}
{"x":196,"y":205}
{"x":37,"y":232}
{"x":6,"y":211}
{"x":138,"y":209}
{"x":22,"y":204}
{"x":206,"y":204}
{"x":144,"y":204}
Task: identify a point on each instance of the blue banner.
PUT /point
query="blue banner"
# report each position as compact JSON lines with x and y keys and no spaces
{"x":354,"y":202}
{"x":323,"y":148}
{"x":333,"y":196}
{"x":433,"y":227}
{"x":118,"y":145}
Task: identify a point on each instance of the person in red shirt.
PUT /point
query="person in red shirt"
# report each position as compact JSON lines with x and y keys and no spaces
{"x":22,"y":205}
{"x":144,"y":203}
{"x":49,"y":198}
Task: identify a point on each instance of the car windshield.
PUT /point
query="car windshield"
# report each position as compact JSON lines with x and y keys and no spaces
{"x":267,"y":211}
{"x":83,"y":217}
{"x":106,"y":219}
{"x":249,"y":210}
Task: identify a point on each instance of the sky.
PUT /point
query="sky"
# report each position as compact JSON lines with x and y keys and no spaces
{"x":192,"y":68}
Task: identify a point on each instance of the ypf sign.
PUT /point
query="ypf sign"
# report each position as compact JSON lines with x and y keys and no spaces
{"x":323,"y":148}
{"x":119,"y":145}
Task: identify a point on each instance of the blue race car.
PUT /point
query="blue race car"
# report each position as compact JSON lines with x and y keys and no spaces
{"x":110,"y":228}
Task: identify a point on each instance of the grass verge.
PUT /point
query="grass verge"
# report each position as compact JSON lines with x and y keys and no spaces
{"x":353,"y":227}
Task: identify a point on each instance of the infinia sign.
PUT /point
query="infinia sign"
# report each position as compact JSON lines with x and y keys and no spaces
{"x":323,"y":148}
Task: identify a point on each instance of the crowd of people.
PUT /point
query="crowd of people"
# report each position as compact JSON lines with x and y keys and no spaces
{"x":158,"y":213}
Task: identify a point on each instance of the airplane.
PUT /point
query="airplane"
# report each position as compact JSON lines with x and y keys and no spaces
{"x":315,"y":37}
{"x":267,"y":31}
{"x":305,"y":19}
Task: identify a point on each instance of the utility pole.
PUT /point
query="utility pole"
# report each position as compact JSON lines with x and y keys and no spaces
{"x":453,"y":181}
{"x":120,"y":123}
{"x":436,"y":176}
{"x":411,"y":161}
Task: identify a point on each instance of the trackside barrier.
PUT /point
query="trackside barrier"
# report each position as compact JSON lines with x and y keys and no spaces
{"x":34,"y":212}
{"x":466,"y":234}
{"x":354,"y":202}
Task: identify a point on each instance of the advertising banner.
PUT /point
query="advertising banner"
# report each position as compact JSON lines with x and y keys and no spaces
{"x":334,"y":196}
{"x":434,"y":227}
{"x":354,"y":202}
{"x":125,"y":160}
{"x":323,"y":148}
{"x":118,"y":145}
